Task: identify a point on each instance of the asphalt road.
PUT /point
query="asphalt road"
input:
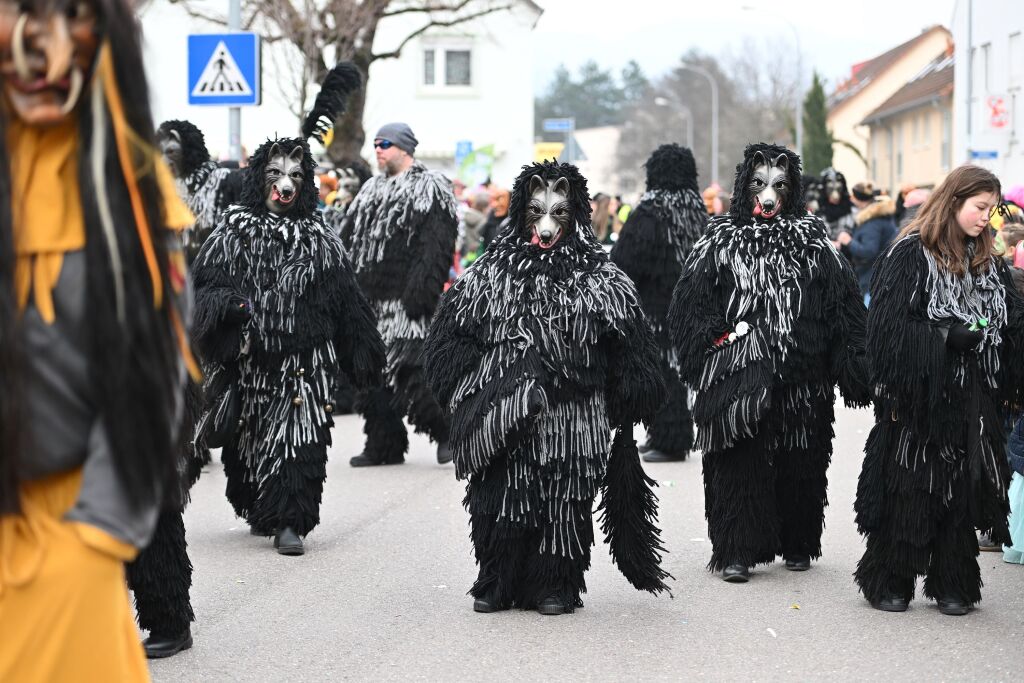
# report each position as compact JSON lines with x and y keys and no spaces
{"x":381,"y":595}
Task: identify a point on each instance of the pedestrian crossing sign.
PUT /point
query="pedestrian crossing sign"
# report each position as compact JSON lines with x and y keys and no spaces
{"x":224,"y":69}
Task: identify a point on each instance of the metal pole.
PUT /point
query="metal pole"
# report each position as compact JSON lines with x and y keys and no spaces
{"x":570,"y":142}
{"x":235,"y":113}
{"x":714,"y":115}
{"x":970,"y":79}
{"x":799,"y":94}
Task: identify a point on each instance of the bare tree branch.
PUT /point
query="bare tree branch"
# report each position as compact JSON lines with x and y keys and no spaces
{"x":397,"y":52}
{"x":427,"y":8}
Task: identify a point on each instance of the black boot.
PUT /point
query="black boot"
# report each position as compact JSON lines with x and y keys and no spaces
{"x":551,"y":605}
{"x":954,"y":607}
{"x":890,"y":603}
{"x":486,"y":604}
{"x":363,"y":460}
{"x":288,"y":542}
{"x":158,"y":646}
{"x":798,"y":563}
{"x":444,"y":453}
{"x":736,"y":573}
{"x":654,"y":455}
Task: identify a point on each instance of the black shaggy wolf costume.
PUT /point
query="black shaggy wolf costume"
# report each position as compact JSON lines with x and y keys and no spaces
{"x":207,"y":188}
{"x":651,"y":250}
{"x":935,"y":464}
{"x":767,"y":319}
{"x":538,"y":353}
{"x":400,"y":232}
{"x":278,"y":315}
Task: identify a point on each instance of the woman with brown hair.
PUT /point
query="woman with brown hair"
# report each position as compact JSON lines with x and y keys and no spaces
{"x":944,"y":324}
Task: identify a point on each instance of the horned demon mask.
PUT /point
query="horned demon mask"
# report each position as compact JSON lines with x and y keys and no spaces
{"x":47,"y":48}
{"x":282,"y":178}
{"x":769,"y":184}
{"x":548,"y":214}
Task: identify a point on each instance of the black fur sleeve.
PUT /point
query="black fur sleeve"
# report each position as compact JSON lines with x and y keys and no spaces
{"x":361,"y":351}
{"x":217,"y":336}
{"x":849,"y":320}
{"x":434,"y":244}
{"x":636,"y":387}
{"x":451,"y":349}
{"x":1012,"y":352}
{"x":695,"y":316}
{"x":643,"y":253}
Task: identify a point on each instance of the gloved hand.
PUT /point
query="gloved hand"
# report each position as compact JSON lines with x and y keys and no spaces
{"x":239,"y":310}
{"x":536,"y":403}
{"x":962,"y":339}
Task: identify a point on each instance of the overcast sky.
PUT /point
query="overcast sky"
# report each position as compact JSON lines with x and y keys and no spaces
{"x":833,"y":35}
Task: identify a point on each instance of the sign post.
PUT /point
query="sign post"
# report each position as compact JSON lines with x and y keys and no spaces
{"x":567,"y":126}
{"x":224,"y":69}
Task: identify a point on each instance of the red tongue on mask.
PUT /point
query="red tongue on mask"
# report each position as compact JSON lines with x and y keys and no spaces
{"x":275,"y":195}
{"x":757,"y":207}
{"x":535,"y":239}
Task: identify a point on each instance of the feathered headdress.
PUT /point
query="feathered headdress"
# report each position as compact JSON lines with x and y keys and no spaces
{"x":341,"y":82}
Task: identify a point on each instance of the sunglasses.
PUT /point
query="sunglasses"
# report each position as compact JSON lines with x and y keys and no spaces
{"x":384,"y":144}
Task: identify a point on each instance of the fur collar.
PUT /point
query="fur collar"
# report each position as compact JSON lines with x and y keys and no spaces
{"x":882,"y":207}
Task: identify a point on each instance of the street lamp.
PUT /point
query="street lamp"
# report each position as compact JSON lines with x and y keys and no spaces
{"x":714,"y":114}
{"x":665,"y":102}
{"x":799,"y":75}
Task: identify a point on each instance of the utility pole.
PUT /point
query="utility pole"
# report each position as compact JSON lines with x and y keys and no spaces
{"x":235,"y":113}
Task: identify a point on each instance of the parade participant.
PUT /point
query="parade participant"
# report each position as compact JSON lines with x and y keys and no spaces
{"x":93,"y":350}
{"x":207,"y":188}
{"x":278,"y":315}
{"x":834,"y":204}
{"x":538,"y":351}
{"x":945,"y":337}
{"x":651,"y":250}
{"x":400,"y":231}
{"x":767,"y":319}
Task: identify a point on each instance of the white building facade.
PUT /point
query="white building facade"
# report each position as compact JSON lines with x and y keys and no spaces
{"x":988,"y":101}
{"x":460,"y":88}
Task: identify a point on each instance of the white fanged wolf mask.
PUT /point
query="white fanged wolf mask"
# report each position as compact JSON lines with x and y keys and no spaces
{"x":770,"y":184}
{"x":548,"y":215}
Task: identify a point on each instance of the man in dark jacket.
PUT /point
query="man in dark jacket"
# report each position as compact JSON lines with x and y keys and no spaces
{"x":876,"y":228}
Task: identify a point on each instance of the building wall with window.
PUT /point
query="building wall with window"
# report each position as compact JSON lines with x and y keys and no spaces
{"x":471,"y":82}
{"x":912,"y":147}
{"x":988,"y":100}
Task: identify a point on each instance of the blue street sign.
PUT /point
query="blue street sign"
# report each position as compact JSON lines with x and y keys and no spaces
{"x":558,"y":125}
{"x":224,"y":69}
{"x":463,"y":148}
{"x":984,"y":154}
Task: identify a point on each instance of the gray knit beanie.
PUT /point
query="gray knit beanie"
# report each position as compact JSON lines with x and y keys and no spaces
{"x":400,"y":134}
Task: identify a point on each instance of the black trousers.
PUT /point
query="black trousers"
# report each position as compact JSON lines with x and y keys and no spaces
{"x":671,"y":430}
{"x":387,"y":440}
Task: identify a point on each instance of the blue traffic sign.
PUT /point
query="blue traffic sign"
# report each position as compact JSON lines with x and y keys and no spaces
{"x":224,"y":69}
{"x":984,"y":154}
{"x":559,"y":125}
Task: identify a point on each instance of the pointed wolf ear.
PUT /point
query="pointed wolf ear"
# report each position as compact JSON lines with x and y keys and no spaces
{"x":561,"y":186}
{"x":275,"y":151}
{"x":782,"y":161}
{"x":296,"y":155}
{"x":758,"y":159}
{"x":536,"y":183}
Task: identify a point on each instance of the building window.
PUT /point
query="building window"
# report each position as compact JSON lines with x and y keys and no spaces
{"x":445,"y":66}
{"x":428,"y":67}
{"x":946,"y":154}
{"x":916,"y":133}
{"x":986,"y":51}
{"x":457,"y":67}
{"x":926,"y":129}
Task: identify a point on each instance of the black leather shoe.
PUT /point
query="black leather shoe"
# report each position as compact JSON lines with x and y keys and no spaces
{"x":288,"y":542}
{"x":736,"y":573}
{"x":363,"y":460}
{"x":644,"y":447}
{"x":798,"y":563}
{"x":444,"y":453}
{"x":654,"y":455}
{"x":158,"y":646}
{"x":954,"y":607}
{"x":486,"y":605}
{"x":891,"y":603}
{"x":551,"y":605}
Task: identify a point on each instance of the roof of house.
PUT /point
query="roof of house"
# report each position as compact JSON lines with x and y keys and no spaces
{"x":934,"y":81}
{"x":863,"y":73}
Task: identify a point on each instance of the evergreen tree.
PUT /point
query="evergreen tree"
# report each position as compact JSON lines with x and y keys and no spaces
{"x":817,"y":147}
{"x":594,"y":97}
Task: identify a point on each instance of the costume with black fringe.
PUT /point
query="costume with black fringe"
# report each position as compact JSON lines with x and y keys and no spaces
{"x":838,"y":217}
{"x":400,"y":232}
{"x":767,"y":319}
{"x":309,"y":322}
{"x":935,"y":466}
{"x":651,"y":249}
{"x":539,"y":355}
